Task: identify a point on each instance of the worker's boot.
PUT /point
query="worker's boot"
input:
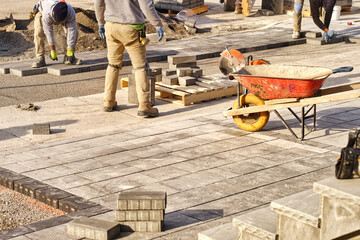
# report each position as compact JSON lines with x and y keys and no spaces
{"x":40,"y":62}
{"x":72,"y":60}
{"x":237,"y":9}
{"x":146,"y":110}
{"x":110,"y":109}
{"x":295,"y":35}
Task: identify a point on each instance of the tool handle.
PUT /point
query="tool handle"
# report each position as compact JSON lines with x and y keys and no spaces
{"x":337,"y":70}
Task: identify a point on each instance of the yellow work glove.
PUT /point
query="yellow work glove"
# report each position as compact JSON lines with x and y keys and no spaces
{"x":53,"y":55}
{"x":70,"y":52}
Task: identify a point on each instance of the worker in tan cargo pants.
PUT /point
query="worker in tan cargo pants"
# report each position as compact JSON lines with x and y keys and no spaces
{"x":118,"y":37}
{"x":124,"y":23}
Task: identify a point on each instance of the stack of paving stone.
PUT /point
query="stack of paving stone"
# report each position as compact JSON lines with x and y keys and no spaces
{"x":183,"y":71}
{"x":177,"y":5}
{"x":141,"y":211}
{"x":154,"y":76}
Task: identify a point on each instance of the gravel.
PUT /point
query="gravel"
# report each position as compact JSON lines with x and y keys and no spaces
{"x":17,"y":210}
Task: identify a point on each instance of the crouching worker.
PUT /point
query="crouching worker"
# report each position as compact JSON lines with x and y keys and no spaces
{"x":49,"y":13}
{"x":325,"y":6}
{"x":125,"y":20}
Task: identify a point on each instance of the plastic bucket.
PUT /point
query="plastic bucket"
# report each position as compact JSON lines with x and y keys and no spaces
{"x":336,"y":13}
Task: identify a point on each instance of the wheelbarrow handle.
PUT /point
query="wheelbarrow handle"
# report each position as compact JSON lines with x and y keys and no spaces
{"x":337,"y":70}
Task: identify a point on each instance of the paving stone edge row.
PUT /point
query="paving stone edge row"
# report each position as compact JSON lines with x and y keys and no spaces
{"x":73,"y":205}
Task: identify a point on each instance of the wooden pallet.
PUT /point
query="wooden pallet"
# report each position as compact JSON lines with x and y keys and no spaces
{"x":206,"y":88}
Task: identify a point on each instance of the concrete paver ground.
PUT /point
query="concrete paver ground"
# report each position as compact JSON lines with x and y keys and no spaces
{"x":211,"y":170}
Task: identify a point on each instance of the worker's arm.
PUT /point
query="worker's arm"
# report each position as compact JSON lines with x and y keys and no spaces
{"x":315,"y":8}
{"x":70,"y":24}
{"x":100,"y":11}
{"x":47,"y":23}
{"x":147,"y":7}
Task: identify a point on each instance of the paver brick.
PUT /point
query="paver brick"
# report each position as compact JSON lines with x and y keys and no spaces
{"x":41,"y":129}
{"x":145,"y":204}
{"x":168,"y":72}
{"x":133,"y":199}
{"x":186,"y":71}
{"x":186,"y":81}
{"x":93,"y":228}
{"x":180,"y":65}
{"x":139,"y":215}
{"x":141,"y":226}
{"x":158,"y":78}
{"x":197,"y":73}
{"x":170,"y":80}
{"x":51,"y":195}
{"x":181,"y":59}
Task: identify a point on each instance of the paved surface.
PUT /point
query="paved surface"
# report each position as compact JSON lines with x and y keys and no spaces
{"x":212,"y":171}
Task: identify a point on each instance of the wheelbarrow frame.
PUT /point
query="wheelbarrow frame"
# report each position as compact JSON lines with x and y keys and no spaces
{"x":330,"y":94}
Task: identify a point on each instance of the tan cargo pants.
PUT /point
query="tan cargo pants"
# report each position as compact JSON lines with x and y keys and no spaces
{"x":118,"y":38}
{"x":39,"y":36}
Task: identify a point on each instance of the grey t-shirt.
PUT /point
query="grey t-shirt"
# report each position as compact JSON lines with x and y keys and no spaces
{"x":127,"y":12}
{"x":46,"y":8}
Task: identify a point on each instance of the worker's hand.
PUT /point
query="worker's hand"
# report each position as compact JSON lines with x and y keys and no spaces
{"x":53,"y":55}
{"x":102,"y":31}
{"x":69,"y":52}
{"x":160,"y":33}
{"x":328,"y":36}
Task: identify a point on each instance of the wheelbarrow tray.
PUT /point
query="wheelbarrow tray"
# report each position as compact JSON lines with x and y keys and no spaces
{"x":279,"y":81}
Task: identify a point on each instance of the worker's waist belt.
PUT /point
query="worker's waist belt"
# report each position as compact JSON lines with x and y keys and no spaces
{"x":136,"y":26}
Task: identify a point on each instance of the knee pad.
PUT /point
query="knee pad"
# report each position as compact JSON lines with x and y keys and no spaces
{"x":298,"y":8}
{"x":114,"y":66}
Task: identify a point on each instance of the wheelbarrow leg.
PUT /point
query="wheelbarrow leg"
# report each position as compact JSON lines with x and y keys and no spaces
{"x":287,"y":126}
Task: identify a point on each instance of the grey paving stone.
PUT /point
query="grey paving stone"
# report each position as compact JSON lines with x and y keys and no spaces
{"x":153,"y":71}
{"x":168,"y":72}
{"x":315,"y":41}
{"x":7,"y":178}
{"x":260,"y":223}
{"x":41,"y":129}
{"x":51,"y":195}
{"x":15,"y":232}
{"x":299,"y":215}
{"x":184,"y":71}
{"x":138,"y":200}
{"x":186,"y":81}
{"x":338,"y":195}
{"x":139,"y":215}
{"x":313,"y":34}
{"x":222,"y":232}
{"x":27,"y":71}
{"x":28,"y":186}
{"x":93,"y":228}
{"x":170,"y":80}
{"x":38,"y":226}
{"x":74,"y":203}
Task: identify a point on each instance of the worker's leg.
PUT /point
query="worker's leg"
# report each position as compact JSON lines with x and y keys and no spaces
{"x":137,"y":53}
{"x":297,"y":16}
{"x":39,"y":41}
{"x":115,"y":56}
{"x":327,"y":13}
{"x":237,"y":7}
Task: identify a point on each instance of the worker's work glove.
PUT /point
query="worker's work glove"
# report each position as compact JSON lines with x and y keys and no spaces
{"x":160,"y":33}
{"x":102,"y":31}
{"x":70,"y":58}
{"x":53,"y":55}
{"x":328,"y":36}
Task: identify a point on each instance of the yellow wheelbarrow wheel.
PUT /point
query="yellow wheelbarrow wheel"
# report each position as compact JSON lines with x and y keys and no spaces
{"x":254,"y":121}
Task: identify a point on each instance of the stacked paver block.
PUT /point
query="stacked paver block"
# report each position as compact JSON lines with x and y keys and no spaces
{"x":177,"y":5}
{"x":132,"y":94}
{"x":141,"y":211}
{"x":92,"y":228}
{"x":328,"y":211}
{"x":182,"y":70}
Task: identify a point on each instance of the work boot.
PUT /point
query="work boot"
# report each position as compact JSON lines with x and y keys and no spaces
{"x":72,"y":60}
{"x":295,"y":35}
{"x":238,"y":9}
{"x":110,"y":109}
{"x":146,"y":110}
{"x":40,"y":62}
